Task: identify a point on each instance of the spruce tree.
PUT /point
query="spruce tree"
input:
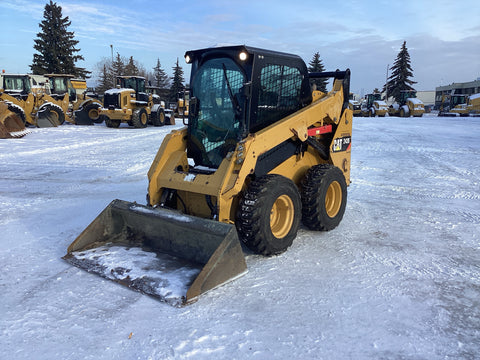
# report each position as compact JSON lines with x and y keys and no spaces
{"x":177,"y":81}
{"x":106,"y":80}
{"x":131,"y":68}
{"x":316,"y":65}
{"x":401,"y":73}
{"x":56,"y":46}
{"x":118,"y":67}
{"x":160,"y":77}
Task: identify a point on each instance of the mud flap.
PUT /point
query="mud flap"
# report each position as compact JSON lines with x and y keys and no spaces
{"x":171,"y":256}
{"x":81,"y":117}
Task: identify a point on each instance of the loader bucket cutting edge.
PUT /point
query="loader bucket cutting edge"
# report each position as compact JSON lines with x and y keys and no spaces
{"x":171,"y":256}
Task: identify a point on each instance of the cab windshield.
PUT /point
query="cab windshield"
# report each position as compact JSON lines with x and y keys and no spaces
{"x":17,"y":83}
{"x":59,"y":86}
{"x":215,"y":123}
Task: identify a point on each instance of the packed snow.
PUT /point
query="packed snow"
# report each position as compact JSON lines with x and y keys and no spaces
{"x":398,"y":279}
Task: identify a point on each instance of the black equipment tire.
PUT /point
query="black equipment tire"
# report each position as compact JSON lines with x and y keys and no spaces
{"x":93,"y":112}
{"x":324,"y":197}
{"x":52,"y":113}
{"x":112,"y":123}
{"x":158,"y":117}
{"x":139,"y":118}
{"x":268,"y":215}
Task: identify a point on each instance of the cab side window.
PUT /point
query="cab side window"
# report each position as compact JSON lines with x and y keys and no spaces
{"x":279,"y":94}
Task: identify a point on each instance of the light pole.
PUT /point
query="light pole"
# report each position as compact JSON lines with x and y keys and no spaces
{"x":386,"y":85}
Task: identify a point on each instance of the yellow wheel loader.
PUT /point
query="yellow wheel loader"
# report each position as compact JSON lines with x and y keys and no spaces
{"x":11,"y":124}
{"x":130,"y":103}
{"x":33,"y":103}
{"x":261,"y":153}
{"x":80,"y":109}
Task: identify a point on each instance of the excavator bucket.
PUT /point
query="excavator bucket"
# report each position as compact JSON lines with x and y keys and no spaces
{"x":171,"y":256}
{"x":11,"y":125}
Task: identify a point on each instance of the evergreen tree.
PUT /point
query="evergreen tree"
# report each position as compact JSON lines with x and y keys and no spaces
{"x":401,"y":74}
{"x":118,"y":66}
{"x":56,"y":45}
{"x":316,"y":65}
{"x":131,"y":68}
{"x":160,"y":77}
{"x":177,"y":81}
{"x":106,"y":80}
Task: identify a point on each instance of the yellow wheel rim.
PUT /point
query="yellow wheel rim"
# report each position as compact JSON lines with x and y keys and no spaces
{"x":162,"y":117}
{"x":143,"y":118}
{"x":281,"y":216}
{"x":93,"y":114}
{"x":333,"y":199}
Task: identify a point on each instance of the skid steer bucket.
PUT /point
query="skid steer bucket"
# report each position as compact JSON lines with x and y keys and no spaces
{"x":163,"y":253}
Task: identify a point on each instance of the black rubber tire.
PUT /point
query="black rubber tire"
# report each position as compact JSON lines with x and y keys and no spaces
{"x":139,"y":118}
{"x":158,"y":117}
{"x":255,"y":214}
{"x":322,"y":184}
{"x":112,"y":123}
{"x":55,"y":114}
{"x":93,"y":112}
{"x":19,"y":112}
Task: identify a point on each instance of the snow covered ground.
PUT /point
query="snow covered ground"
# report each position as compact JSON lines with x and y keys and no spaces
{"x":398,"y":279}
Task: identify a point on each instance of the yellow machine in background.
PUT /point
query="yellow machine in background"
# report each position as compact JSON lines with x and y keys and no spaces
{"x":409,"y":105}
{"x":130,"y":103}
{"x":182,"y":105}
{"x":33,"y":103}
{"x":354,"y":106}
{"x":374,"y":106}
{"x":261,"y":153}
{"x":453,"y":105}
{"x":80,"y":109}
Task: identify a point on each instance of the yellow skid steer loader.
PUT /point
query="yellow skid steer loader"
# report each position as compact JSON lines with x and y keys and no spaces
{"x":261,"y":153}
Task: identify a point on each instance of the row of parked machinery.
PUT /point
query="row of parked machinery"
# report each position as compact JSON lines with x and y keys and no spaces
{"x":50,"y":100}
{"x":373,"y":105}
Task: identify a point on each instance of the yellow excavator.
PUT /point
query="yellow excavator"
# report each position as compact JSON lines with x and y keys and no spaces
{"x":261,"y":153}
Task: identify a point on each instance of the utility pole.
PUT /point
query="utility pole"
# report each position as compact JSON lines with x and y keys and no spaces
{"x":386,"y":85}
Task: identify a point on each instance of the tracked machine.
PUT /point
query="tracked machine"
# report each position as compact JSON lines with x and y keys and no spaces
{"x":261,"y":153}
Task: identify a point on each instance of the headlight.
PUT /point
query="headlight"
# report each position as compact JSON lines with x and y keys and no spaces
{"x":243,"y":56}
{"x":187,"y":59}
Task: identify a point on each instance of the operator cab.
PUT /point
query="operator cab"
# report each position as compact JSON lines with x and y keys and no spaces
{"x":60,"y":85}
{"x":136,"y":83}
{"x":238,"y":90}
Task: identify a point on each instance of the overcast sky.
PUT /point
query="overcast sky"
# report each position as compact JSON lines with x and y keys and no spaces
{"x":443,"y":37}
